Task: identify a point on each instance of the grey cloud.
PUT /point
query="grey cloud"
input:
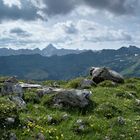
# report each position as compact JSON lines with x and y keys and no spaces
{"x":20,"y":32}
{"x":120,"y":7}
{"x":26,"y":12}
{"x":14,"y":42}
{"x":70,"y":29}
{"x":108,"y":38}
{"x":29,"y":11}
{"x":55,"y":7}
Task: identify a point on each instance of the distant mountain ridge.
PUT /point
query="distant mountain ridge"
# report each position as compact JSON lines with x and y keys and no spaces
{"x":124,"y":60}
{"x":50,"y":50}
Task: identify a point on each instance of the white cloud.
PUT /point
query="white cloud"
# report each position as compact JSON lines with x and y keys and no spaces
{"x":71,"y":34}
{"x":10,"y":3}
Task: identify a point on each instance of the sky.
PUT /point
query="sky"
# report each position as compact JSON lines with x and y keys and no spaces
{"x":73,"y":24}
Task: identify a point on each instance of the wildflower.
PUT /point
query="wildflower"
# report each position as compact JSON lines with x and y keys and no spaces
{"x":62,"y":135}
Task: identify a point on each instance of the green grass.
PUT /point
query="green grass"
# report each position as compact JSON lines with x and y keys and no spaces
{"x":101,"y":121}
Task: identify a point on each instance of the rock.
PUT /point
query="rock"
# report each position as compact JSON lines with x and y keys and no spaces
{"x":49,"y":118}
{"x":18,"y":90}
{"x":40,"y":136}
{"x":12,"y":86}
{"x":72,"y":97}
{"x":12,"y":80}
{"x":30,"y":86}
{"x":137,"y":102}
{"x":55,"y":85}
{"x":10,"y":121}
{"x":18,"y":100}
{"x":43,"y":91}
{"x":12,"y":136}
{"x":102,"y":74}
{"x":79,"y":122}
{"x":65,"y":116}
{"x":121,"y":121}
{"x":81,"y":126}
{"x":86,"y":83}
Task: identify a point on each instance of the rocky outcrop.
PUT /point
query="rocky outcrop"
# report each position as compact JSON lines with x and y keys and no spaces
{"x":11,"y":85}
{"x":102,"y":74}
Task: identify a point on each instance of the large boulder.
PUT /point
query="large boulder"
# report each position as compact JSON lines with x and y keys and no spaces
{"x":72,"y":98}
{"x":101,"y":74}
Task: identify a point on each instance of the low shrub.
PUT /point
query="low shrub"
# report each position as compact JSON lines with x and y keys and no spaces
{"x":107,"y":83}
{"x":108,"y":110}
{"x":31,"y":97}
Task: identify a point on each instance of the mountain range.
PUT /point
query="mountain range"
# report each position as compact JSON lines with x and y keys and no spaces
{"x":37,"y":67}
{"x":50,"y":50}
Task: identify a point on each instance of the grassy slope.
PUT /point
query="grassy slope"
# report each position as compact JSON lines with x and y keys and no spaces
{"x":102,"y":120}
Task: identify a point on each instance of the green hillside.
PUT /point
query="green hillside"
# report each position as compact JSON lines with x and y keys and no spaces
{"x":113,"y":115}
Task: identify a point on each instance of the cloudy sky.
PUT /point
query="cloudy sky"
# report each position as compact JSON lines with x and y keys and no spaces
{"x":83,"y":24}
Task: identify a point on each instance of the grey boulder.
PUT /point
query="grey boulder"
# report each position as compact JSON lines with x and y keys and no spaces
{"x":72,"y":97}
{"x":101,"y":74}
{"x":18,"y":100}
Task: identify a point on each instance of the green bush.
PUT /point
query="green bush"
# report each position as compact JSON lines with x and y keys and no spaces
{"x":47,"y":99}
{"x":30,"y":96}
{"x":74,"y":83}
{"x":8,"y":109}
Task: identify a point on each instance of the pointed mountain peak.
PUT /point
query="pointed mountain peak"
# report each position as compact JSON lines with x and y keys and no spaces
{"x":51,"y":47}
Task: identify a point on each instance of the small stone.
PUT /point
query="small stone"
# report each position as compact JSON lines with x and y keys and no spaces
{"x":12,"y":136}
{"x":121,"y":120}
{"x":40,"y":136}
{"x":10,"y":120}
{"x":58,"y":106}
{"x":106,"y":138}
{"x":137,"y":102}
{"x":79,"y":121}
{"x":65,"y":116}
{"x":81,"y":127}
{"x":49,"y":118}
